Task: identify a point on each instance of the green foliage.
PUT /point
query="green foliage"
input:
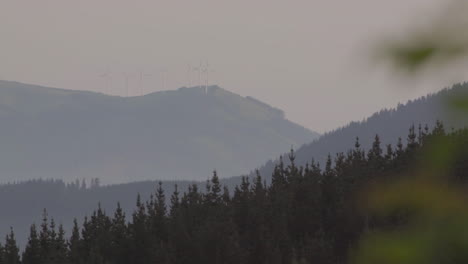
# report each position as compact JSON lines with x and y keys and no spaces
{"x":412,"y":58}
{"x":435,"y":226}
{"x":441,"y":42}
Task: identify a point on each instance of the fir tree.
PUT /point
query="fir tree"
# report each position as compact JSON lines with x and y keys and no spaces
{"x":60,"y":247}
{"x":10,"y":250}
{"x":119,"y":237}
{"x":74,"y":252}
{"x":175,"y":202}
{"x":2,"y":254}
{"x":32,"y":252}
{"x":44,"y":237}
{"x":215,"y":190}
{"x":375,"y":159}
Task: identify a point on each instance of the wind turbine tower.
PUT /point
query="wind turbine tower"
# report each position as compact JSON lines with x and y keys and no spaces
{"x":189,"y":75}
{"x":126,"y":79}
{"x":141,"y":84}
{"x":199,"y":69}
{"x":164,"y":78}
{"x":107,"y":76}
{"x":207,"y":71}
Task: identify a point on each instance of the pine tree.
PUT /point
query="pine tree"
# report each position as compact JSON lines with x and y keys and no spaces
{"x":399,"y":152}
{"x":439,"y":129}
{"x":32,"y":252}
{"x":60,"y":247}
{"x":119,"y":237}
{"x":74,"y":249}
{"x":278,"y":178}
{"x":102,"y":226}
{"x":375,"y":159}
{"x":412,"y":142}
{"x":358,"y":156}
{"x":193,"y":196}
{"x":329,"y":197}
{"x":161,"y":208}
{"x":11,"y":250}
{"x":293,"y":170}
{"x":375,"y":152}
{"x":226,"y":197}
{"x":258,"y":188}
{"x":158,"y":226}
{"x":140,"y":237}
{"x":44,"y":237}
{"x":389,"y":154}
{"x":52,"y":254}
{"x":175,"y":202}
{"x":215,"y":190}
{"x":2,"y":254}
{"x":389,"y":158}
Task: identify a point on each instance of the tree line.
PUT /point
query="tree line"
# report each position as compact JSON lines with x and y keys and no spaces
{"x":307,"y":214}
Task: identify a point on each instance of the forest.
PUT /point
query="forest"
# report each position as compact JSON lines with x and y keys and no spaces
{"x":307,"y":214}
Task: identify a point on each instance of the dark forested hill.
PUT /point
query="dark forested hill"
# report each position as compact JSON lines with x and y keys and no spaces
{"x":182,"y":134}
{"x":305,"y":215}
{"x":389,"y":124}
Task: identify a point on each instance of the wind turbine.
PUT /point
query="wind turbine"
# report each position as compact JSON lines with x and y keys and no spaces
{"x":199,"y":69}
{"x":189,"y":73}
{"x":212,"y":78}
{"x":207,"y":71}
{"x":142,"y":76}
{"x":126,"y":79}
{"x":164,"y":77}
{"x":107,"y":76}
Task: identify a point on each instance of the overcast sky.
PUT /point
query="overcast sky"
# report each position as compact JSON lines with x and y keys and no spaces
{"x":309,"y":58}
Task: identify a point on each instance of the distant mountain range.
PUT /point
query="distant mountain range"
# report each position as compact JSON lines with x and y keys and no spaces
{"x":170,"y":135}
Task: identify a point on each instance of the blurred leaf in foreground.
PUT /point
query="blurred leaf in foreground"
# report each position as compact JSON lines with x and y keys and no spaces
{"x":436,"y":230}
{"x":414,"y":57}
{"x":459,"y":103}
{"x":440,"y":42}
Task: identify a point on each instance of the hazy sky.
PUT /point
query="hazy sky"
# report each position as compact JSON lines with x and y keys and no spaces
{"x":309,"y":58}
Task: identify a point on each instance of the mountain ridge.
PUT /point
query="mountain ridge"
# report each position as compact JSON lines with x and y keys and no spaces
{"x":389,"y":123}
{"x":177,"y":134}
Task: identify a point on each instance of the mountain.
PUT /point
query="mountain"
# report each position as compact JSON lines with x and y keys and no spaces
{"x":389,"y":124}
{"x":182,"y":134}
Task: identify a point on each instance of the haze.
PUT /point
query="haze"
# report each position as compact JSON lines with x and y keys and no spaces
{"x":299,"y":56}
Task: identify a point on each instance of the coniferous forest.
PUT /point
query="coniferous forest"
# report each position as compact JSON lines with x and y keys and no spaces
{"x":307,"y":214}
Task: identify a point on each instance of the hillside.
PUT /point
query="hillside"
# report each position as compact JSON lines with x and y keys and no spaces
{"x":25,"y":201}
{"x":389,"y":124}
{"x":182,"y":134}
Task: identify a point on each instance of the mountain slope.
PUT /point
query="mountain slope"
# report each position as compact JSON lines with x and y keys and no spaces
{"x":389,"y":124}
{"x":182,"y":134}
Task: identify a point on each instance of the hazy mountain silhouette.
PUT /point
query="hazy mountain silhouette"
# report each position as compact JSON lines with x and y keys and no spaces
{"x":182,"y":134}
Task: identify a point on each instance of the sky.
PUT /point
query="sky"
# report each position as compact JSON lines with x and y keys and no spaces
{"x":310,"y":58}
